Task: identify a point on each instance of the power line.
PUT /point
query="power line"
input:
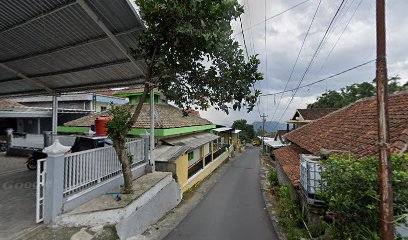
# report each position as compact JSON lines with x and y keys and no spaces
{"x":243,"y":35}
{"x":338,"y":39}
{"x":311,"y":61}
{"x":321,"y":80}
{"x":337,"y":20}
{"x":297,"y":58}
{"x":266,"y":53}
{"x":274,"y":16}
{"x":251,"y":39}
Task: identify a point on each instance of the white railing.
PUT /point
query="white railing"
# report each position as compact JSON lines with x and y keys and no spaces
{"x":85,"y":169}
{"x":39,"y":210}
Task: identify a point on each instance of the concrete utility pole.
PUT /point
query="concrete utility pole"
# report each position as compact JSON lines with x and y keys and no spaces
{"x":386,"y":199}
{"x":263,"y":116}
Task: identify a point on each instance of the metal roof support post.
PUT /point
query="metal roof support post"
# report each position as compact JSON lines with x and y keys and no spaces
{"x":152,"y":120}
{"x":54,"y":117}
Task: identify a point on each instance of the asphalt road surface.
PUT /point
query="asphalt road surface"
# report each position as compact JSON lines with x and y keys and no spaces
{"x":17,"y":196}
{"x":233,"y":209}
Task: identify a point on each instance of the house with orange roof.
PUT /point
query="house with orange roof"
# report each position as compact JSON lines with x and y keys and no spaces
{"x":351,"y":129}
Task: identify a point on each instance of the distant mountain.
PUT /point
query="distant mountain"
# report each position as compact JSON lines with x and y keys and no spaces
{"x":269,"y":126}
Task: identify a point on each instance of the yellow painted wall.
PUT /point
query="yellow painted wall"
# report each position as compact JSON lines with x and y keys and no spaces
{"x":224,"y":137}
{"x":235,"y":139}
{"x":204,"y":173}
{"x":182,"y":169}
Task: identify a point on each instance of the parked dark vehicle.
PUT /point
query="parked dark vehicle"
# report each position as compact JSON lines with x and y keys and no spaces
{"x":82,"y":143}
{"x":3,"y":143}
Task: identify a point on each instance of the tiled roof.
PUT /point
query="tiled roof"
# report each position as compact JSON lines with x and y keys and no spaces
{"x":401,"y":144}
{"x":9,"y":105}
{"x":289,"y":159}
{"x":315,"y":113}
{"x":354,"y":128}
{"x":166,"y":116}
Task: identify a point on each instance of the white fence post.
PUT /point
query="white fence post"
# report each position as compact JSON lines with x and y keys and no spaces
{"x":9,"y":137}
{"x":54,"y":181}
{"x":146,"y":151}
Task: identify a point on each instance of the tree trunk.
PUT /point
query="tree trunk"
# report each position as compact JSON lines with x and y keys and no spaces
{"x":120,"y":143}
{"x":127,"y":173}
{"x":119,"y":146}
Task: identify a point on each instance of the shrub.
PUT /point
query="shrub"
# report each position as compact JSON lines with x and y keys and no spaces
{"x":272,"y":177}
{"x":352,"y":194}
{"x":289,"y":214}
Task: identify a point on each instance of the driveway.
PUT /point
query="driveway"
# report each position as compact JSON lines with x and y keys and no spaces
{"x":17,"y":196}
{"x":232,"y":209}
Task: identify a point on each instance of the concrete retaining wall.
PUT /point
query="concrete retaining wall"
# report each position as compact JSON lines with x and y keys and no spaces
{"x":76,"y":200}
{"x":154,"y":195}
{"x":282,"y":177}
{"x":151,"y":212}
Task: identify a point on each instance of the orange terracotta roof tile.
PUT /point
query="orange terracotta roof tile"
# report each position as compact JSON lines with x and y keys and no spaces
{"x":289,"y":158}
{"x":9,"y":105}
{"x":354,"y":128}
{"x":315,"y":113}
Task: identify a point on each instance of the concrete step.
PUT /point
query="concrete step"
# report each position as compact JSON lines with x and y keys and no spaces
{"x":154,"y":194}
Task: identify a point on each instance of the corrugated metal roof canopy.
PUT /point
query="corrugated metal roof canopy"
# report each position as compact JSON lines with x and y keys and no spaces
{"x":66,"y":45}
{"x":193,"y":141}
{"x":223,"y":129}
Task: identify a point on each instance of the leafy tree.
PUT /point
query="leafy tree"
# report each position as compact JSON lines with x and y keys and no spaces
{"x":190,"y":56}
{"x":357,"y":91}
{"x":330,"y":99}
{"x":350,"y":94}
{"x":118,"y":127}
{"x":247,"y":133}
{"x":394,"y":86}
{"x":352,"y":194}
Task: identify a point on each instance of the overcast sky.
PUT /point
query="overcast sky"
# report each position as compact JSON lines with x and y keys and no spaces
{"x":285,"y":34}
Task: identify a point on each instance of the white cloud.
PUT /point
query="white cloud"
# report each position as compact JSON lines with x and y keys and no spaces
{"x":285,"y":34}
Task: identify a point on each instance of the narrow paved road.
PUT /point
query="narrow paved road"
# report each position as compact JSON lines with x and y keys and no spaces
{"x":17,"y":196}
{"x":232,"y":209}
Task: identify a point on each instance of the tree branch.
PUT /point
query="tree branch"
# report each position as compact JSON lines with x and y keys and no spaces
{"x":147,"y":87}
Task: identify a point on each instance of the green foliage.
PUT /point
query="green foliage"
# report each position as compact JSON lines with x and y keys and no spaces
{"x":120,"y":124}
{"x":289,"y":214}
{"x":351,"y":193}
{"x":273,"y":177}
{"x":247,"y":133}
{"x":350,"y":94}
{"x":191,"y":55}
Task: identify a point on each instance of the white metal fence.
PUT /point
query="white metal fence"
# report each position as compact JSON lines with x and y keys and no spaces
{"x":85,"y":169}
{"x":41,"y":170}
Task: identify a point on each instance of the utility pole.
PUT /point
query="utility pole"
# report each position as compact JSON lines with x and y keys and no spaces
{"x":263,"y":116}
{"x":386,"y":199}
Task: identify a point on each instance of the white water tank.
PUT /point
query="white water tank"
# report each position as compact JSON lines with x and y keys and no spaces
{"x":310,"y":178}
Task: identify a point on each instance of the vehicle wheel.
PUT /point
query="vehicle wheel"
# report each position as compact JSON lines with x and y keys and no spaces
{"x":31,"y":164}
